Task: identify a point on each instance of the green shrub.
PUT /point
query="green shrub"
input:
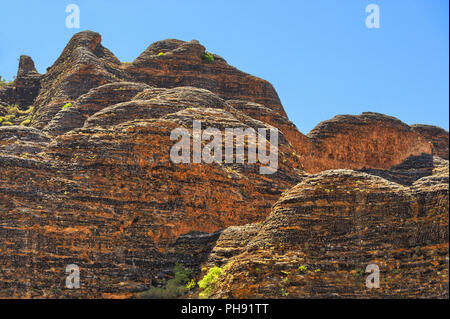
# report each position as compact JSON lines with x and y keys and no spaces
{"x":170,"y":291}
{"x":191,"y":284}
{"x":302,"y":269}
{"x":359,"y":275}
{"x":9,"y":117}
{"x":209,"y":281}
{"x":26,"y":122}
{"x":174,"y":288}
{"x":12,"y":110}
{"x":67,"y":105}
{"x":208,"y":57}
{"x":15,"y":115}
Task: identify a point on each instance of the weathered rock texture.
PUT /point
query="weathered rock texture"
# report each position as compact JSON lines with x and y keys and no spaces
{"x":91,"y":182}
{"x":182,"y":64}
{"x":25,"y":88}
{"x":324,"y":232}
{"x":437,"y":136}
{"x":367,"y":140}
{"x":107,"y":197}
{"x":84,"y":64}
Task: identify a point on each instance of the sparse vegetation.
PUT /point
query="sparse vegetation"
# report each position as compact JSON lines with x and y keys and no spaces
{"x":302,"y":269}
{"x":67,"y":105}
{"x":26,"y":122}
{"x":358,"y":274}
{"x":174,"y":288}
{"x":4,"y":82}
{"x":208,"y":57}
{"x":191,"y":284}
{"x":15,"y":116}
{"x":28,"y":111}
{"x":208,"y":282}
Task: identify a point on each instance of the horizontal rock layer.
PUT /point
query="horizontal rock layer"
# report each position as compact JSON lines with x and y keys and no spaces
{"x":92,"y":183}
{"x":323,"y":233}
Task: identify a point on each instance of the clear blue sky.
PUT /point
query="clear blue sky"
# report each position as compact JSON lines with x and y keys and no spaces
{"x":318,"y":54}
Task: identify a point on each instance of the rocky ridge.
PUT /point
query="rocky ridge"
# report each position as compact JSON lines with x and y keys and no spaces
{"x":323,"y":233}
{"x":90,"y":181}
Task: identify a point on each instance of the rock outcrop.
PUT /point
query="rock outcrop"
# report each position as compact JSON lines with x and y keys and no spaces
{"x":67,"y":119}
{"x":87,"y":179}
{"x":172,"y":63}
{"x":107,"y":197}
{"x":437,"y":136}
{"x":367,"y":140}
{"x":25,"y":88}
{"x":84,"y":64}
{"x":325,"y":231}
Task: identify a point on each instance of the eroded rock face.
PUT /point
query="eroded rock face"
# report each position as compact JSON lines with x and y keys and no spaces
{"x":25,"y":88}
{"x":323,"y":233}
{"x":21,"y":141}
{"x":84,"y":64}
{"x":67,"y":119}
{"x":92,"y":183}
{"x":411,"y":170}
{"x":109,"y":199}
{"x":182,"y":64}
{"x":368,"y":140}
{"x":437,"y":136}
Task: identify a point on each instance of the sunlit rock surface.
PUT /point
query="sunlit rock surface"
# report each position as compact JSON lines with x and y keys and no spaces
{"x":88,"y":180}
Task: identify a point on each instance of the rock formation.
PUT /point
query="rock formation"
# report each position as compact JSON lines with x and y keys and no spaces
{"x":25,"y":88}
{"x":437,"y":136}
{"x":87,"y":179}
{"x":323,"y":233}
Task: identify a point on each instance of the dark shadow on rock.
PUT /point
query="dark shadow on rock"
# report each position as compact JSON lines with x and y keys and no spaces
{"x":410,"y":170}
